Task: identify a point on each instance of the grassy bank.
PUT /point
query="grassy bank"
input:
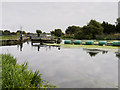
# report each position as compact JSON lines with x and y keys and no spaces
{"x":18,"y":76}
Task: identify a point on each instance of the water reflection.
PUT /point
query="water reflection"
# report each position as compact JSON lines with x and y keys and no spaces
{"x":21,"y":46}
{"x":47,"y":47}
{"x":70,"y":67}
{"x":94,"y":52}
{"x":91,"y":52}
{"x":118,"y":55}
{"x":28,"y":42}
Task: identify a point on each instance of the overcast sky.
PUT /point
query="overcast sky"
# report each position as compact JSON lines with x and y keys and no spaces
{"x":48,"y":16}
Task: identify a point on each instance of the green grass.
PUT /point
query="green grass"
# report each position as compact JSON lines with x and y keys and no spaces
{"x":85,"y":46}
{"x":8,"y":37}
{"x":18,"y":76}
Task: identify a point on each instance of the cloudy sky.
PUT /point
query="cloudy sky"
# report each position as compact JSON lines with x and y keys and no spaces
{"x":48,"y":16}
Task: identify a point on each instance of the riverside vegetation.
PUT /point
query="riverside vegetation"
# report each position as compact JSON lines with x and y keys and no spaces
{"x":18,"y":76}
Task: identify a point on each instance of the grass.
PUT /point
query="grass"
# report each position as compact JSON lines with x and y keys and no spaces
{"x":8,"y":37}
{"x":85,"y":46}
{"x":18,"y":76}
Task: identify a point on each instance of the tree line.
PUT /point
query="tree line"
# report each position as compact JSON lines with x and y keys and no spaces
{"x":93,"y":30}
{"x":7,"y":32}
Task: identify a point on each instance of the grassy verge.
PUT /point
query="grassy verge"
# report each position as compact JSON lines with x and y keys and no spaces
{"x":18,"y":76}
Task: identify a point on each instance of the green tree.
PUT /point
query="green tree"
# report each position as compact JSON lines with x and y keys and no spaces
{"x":44,"y":32}
{"x":6,"y":32}
{"x":58,"y":32}
{"x":52,"y":32}
{"x":79,"y":34}
{"x":13,"y":33}
{"x":72,"y":29}
{"x":38,"y":32}
{"x":18,"y":32}
{"x":23,"y":32}
{"x":118,"y":20}
{"x":108,"y":28}
{"x":89,"y":31}
{"x":117,"y":29}
{"x":94,"y":28}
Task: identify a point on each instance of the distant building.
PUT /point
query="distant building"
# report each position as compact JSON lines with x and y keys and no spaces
{"x":42,"y":36}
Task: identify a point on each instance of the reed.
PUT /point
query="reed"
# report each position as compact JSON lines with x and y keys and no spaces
{"x":18,"y":76}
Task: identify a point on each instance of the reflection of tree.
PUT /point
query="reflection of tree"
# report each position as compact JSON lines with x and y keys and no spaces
{"x":47,"y":47}
{"x":27,"y":42}
{"x":93,"y":53}
{"x":103,"y":52}
{"x":58,"y":48}
{"x":17,"y":46}
{"x":38,"y":47}
{"x":21,"y":46}
{"x":118,"y":55}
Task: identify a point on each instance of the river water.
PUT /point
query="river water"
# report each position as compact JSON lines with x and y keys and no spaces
{"x":69,"y":67}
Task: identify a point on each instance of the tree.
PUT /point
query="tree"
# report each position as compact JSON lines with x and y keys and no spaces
{"x":6,"y":32}
{"x":38,"y":32}
{"x":13,"y":33}
{"x":58,"y":32}
{"x":117,"y":29}
{"x":23,"y":32}
{"x":79,"y":34}
{"x":118,"y":20}
{"x":94,"y":28}
{"x":72,"y":29}
{"x":44,"y":32}
{"x":52,"y":32}
{"x":108,"y":28}
{"x":89,"y":31}
{"x":18,"y":32}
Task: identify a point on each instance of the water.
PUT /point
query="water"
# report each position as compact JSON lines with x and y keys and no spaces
{"x":68,"y":67}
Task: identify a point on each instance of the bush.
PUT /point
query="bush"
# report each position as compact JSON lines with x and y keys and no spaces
{"x":18,"y":76}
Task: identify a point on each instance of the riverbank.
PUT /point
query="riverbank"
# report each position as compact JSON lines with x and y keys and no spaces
{"x":113,"y":48}
{"x":18,"y":76}
{"x":7,"y":37}
{"x":11,"y":37}
{"x":12,"y":40}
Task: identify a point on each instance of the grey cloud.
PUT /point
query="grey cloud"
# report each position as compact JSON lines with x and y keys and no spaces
{"x":50,"y":15}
